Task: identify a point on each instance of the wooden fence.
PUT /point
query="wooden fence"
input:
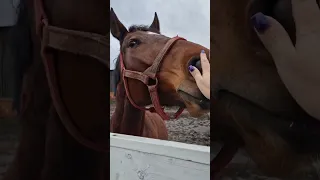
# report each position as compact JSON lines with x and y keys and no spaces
{"x":138,"y":158}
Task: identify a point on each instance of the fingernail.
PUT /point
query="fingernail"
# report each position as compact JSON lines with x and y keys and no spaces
{"x":202,"y":51}
{"x":260,"y":22}
{"x":191,"y":68}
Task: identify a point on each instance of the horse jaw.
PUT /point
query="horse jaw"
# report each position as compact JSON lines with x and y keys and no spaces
{"x":196,"y":104}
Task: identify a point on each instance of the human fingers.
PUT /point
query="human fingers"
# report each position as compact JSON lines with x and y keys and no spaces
{"x":195,"y":73}
{"x":205,"y":65}
{"x":306,"y":15}
{"x":274,"y":37}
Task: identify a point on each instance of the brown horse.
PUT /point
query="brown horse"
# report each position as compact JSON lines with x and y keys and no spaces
{"x":253,"y":109}
{"x":140,"y":46}
{"x":54,"y":143}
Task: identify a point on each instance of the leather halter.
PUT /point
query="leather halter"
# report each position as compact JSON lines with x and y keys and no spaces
{"x":150,"y":79}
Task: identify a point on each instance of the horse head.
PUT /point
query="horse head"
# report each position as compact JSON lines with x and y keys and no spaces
{"x":139,"y":47}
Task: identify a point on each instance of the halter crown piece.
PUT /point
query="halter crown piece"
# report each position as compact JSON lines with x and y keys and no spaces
{"x":146,"y":77}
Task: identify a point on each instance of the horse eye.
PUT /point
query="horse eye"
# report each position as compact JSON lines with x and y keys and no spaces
{"x":133,"y":43}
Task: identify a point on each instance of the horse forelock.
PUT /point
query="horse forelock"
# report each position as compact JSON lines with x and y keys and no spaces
{"x":145,"y":28}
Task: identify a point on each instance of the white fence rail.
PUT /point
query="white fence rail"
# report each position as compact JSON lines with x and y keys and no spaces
{"x":138,"y":158}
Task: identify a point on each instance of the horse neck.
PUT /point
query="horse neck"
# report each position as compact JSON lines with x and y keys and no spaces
{"x":126,"y":119}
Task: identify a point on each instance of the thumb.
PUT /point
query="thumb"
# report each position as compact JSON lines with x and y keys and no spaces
{"x":195,"y":73}
{"x":274,"y":37}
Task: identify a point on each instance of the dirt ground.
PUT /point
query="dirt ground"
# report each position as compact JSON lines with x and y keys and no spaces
{"x":186,"y":129}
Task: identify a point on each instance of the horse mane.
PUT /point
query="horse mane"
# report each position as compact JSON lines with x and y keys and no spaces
{"x":117,"y":70}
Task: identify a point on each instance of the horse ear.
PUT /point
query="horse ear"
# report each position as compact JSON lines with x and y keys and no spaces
{"x":118,"y":30}
{"x":155,"y":24}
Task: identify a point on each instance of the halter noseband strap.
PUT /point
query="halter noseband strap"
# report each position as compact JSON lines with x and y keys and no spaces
{"x":148,"y":76}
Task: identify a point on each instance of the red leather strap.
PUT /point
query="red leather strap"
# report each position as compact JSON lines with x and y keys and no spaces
{"x":60,"y":107}
{"x":48,"y":61}
{"x":125,"y":83}
{"x":136,"y":75}
{"x":156,"y":103}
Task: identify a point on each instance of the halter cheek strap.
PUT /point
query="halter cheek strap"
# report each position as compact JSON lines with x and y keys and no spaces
{"x":147,"y":77}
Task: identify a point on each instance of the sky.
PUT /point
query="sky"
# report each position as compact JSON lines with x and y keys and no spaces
{"x":187,"y":18}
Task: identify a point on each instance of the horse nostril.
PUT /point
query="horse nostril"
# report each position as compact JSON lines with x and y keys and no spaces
{"x":198,"y":65}
{"x":195,"y":61}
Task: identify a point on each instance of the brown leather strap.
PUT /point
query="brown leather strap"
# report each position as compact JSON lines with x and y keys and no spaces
{"x":154,"y":68}
{"x":77,"y":42}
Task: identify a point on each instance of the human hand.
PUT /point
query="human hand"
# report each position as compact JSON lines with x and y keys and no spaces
{"x":298,"y":65}
{"x":203,"y":81}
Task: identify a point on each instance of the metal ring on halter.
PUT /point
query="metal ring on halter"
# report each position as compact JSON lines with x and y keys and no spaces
{"x":152,"y":81}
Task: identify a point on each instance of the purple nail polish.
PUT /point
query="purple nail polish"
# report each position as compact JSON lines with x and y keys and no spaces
{"x":202,"y":51}
{"x":191,"y":68}
{"x":260,"y":22}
